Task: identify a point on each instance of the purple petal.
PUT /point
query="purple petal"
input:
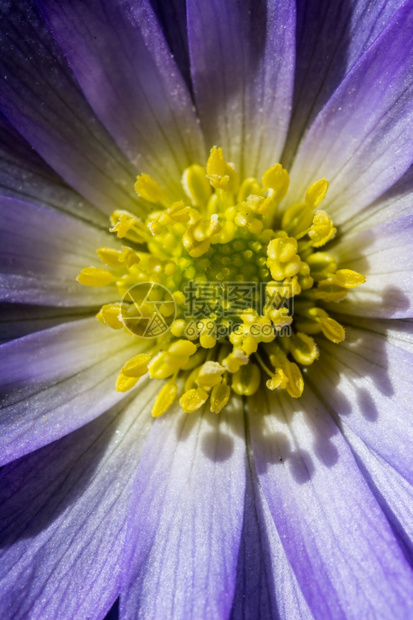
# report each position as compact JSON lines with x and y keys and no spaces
{"x":340,"y":545}
{"x":63,"y":519}
{"x":172,"y":17}
{"x":331,"y":37}
{"x":40,"y":96}
{"x":242,"y":65}
{"x":55,"y":381}
{"x":393,"y":204}
{"x":362,"y":140}
{"x":372,"y":383}
{"x":119,"y":56}
{"x":384,"y":254}
{"x":393,"y":492}
{"x":186,"y":518}
{"x":42,"y":252}
{"x":266,"y":585}
{"x":18,"y":320}
{"x":25,"y":175}
{"x":399,"y":333}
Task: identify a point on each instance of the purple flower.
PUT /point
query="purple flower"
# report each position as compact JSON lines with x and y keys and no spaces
{"x":279,"y":506}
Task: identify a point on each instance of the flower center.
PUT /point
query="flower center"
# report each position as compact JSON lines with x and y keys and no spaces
{"x":224,"y":289}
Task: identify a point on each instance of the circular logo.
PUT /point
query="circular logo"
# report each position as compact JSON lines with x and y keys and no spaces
{"x":148,"y":310}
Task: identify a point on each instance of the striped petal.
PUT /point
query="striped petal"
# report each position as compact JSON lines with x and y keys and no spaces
{"x":362,"y":140}
{"x":186,"y":519}
{"x":42,"y":251}
{"x":63,"y":519}
{"x":40,"y":96}
{"x":120,"y":58}
{"x":331,"y":37}
{"x":242,"y":56}
{"x":340,"y":545}
{"x":55,"y":381}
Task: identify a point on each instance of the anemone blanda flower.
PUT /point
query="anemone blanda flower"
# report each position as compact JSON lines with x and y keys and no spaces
{"x":281,"y":505}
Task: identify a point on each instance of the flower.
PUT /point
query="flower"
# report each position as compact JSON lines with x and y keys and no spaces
{"x":292,"y":501}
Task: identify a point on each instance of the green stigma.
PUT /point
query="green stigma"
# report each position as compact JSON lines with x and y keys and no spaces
{"x":227,"y":291}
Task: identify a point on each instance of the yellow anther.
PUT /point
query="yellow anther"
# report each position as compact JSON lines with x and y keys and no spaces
{"x":227,"y":233}
{"x":279,"y":317}
{"x":172,"y":360}
{"x":178,"y":328}
{"x":277,"y":179}
{"x":111,"y":315}
{"x":162,"y":368}
{"x":332,"y":330}
{"x":303,"y":349}
{"x":245,"y":218}
{"x":304,"y":279}
{"x":219,"y":397}
{"x":316,"y":319}
{"x":278,"y":380}
{"x":283,"y":260}
{"x":196,"y":186}
{"x":249,"y":187}
{"x":250,"y":345}
{"x":124,"y":383}
{"x":295,"y":385}
{"x":182,"y":348}
{"x":210,"y":374}
{"x":93,"y":276}
{"x":335,"y":287}
{"x":235,"y":360}
{"x":329,"y":292}
{"x":316,"y":193}
{"x":297,"y":219}
{"x":207,"y":331}
{"x":246,"y":380}
{"x":165,"y":399}
{"x":137,"y":366}
{"x":207,"y":341}
{"x":179,"y":298}
{"x":118,"y":258}
{"x":126,"y":225}
{"x":216,"y":169}
{"x":348,"y":278}
{"x":322,"y":265}
{"x":258,"y":204}
{"x":178,"y":213}
{"x":197,"y":239}
{"x":276,"y":291}
{"x":193,"y":400}
{"x":322,"y":229}
{"x":149,"y":189}
{"x":195,"y":360}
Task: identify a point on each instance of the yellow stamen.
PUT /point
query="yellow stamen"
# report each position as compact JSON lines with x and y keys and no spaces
{"x":93,"y":276}
{"x":193,"y":400}
{"x":277,"y":179}
{"x":218,"y":236}
{"x":165,"y":399}
{"x":316,"y":193}
{"x":196,"y":186}
{"x":219,"y":397}
{"x":283,"y":260}
{"x":149,"y":189}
